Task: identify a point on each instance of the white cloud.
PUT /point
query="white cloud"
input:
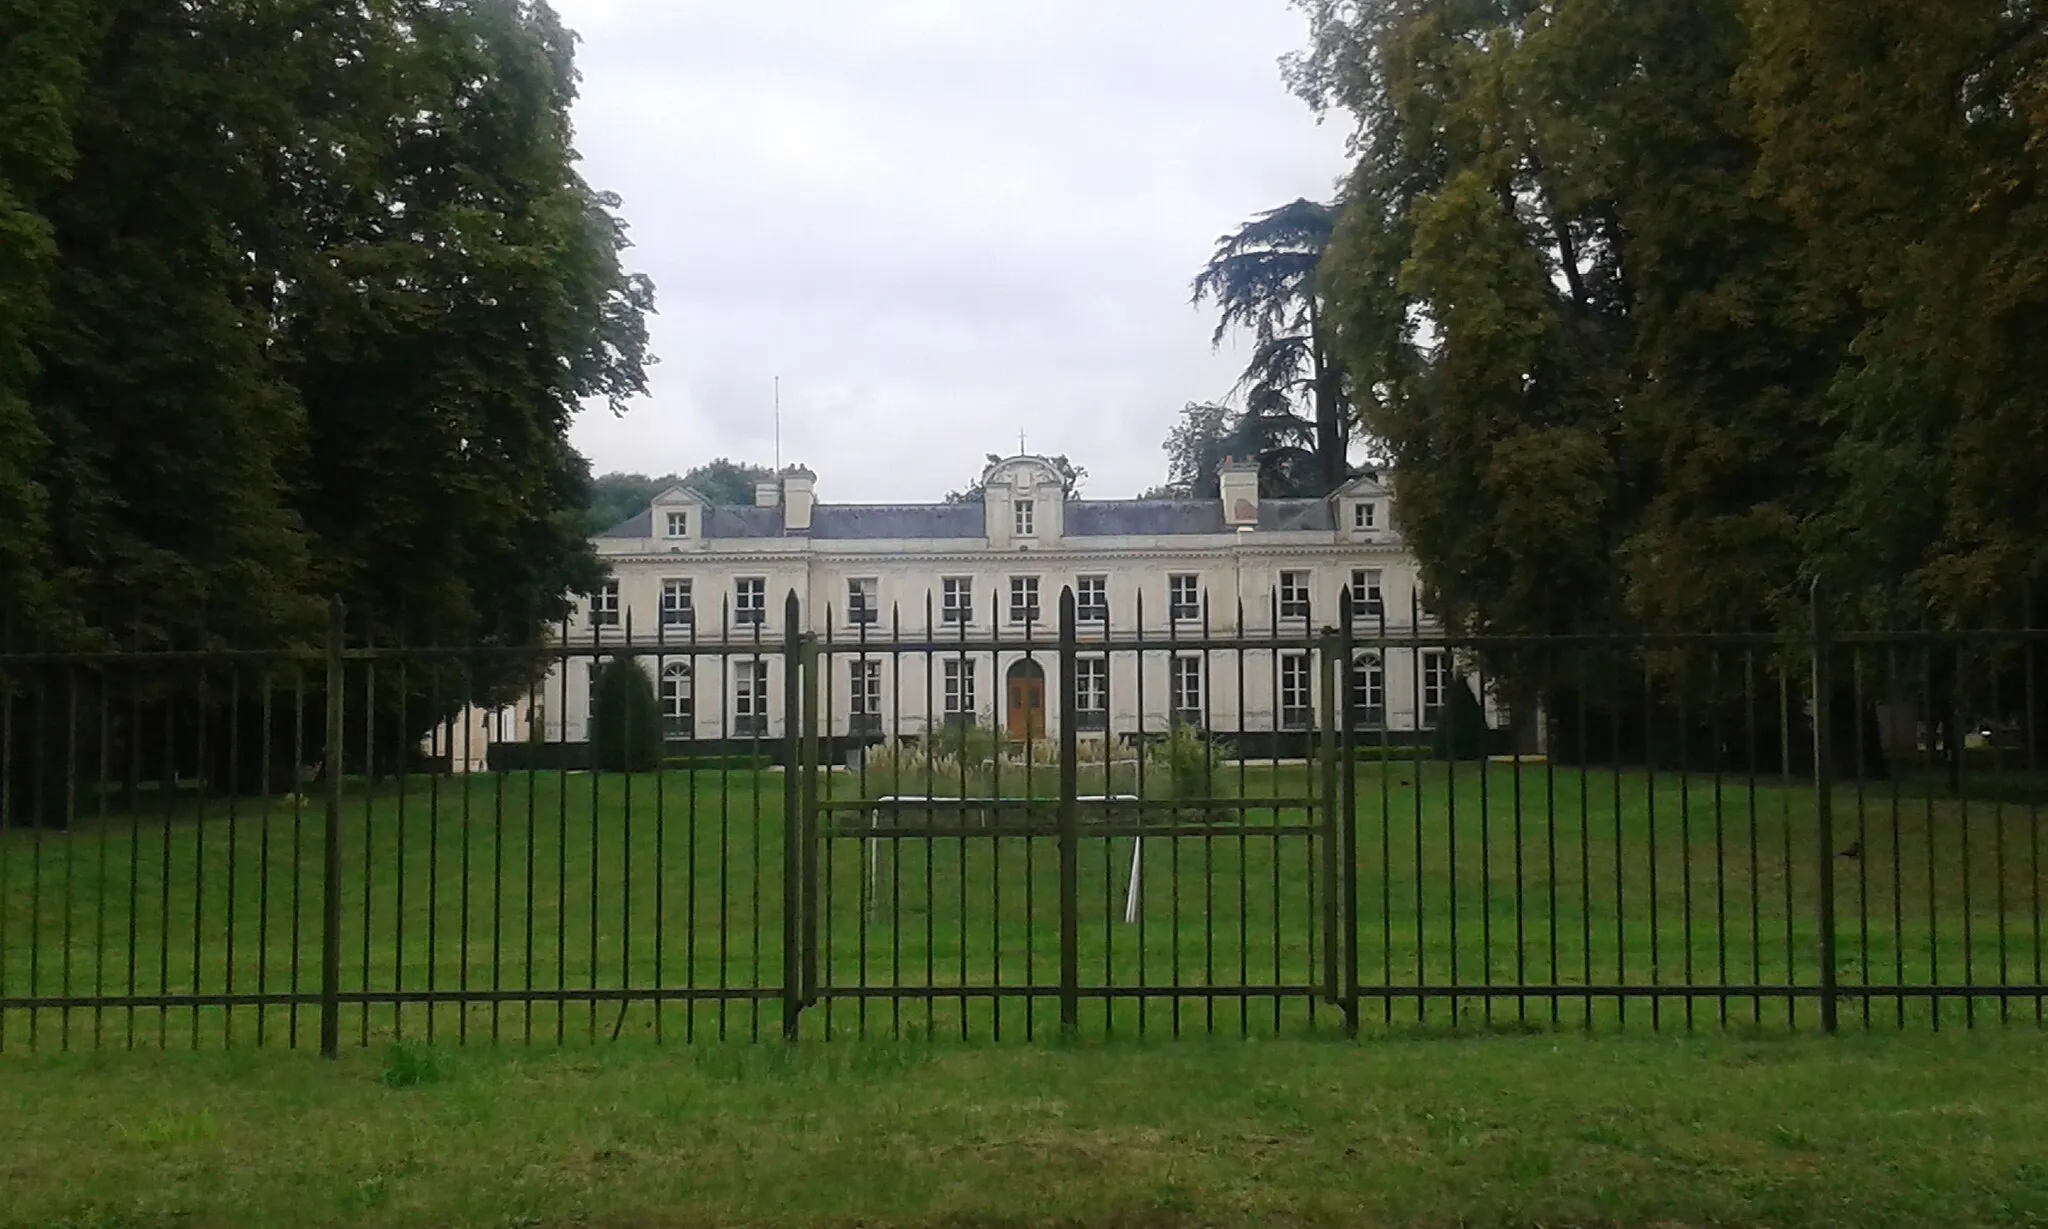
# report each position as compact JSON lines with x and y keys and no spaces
{"x":938,"y":221}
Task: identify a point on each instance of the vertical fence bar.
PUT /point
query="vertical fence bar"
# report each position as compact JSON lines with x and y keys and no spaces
{"x":1823,"y":811}
{"x":1070,"y":836}
{"x":369,"y":674}
{"x":7,"y":791}
{"x":330,"y":905}
{"x":2029,"y":732}
{"x":1959,"y":768}
{"x":1328,"y":755}
{"x":815,"y":664}
{"x":69,"y":804}
{"x":792,"y":827}
{"x":1343,"y":717}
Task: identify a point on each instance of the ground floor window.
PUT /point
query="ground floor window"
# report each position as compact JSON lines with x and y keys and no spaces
{"x":1187,"y":689}
{"x":678,"y":700}
{"x":959,"y":676}
{"x":750,"y":698}
{"x":1296,"y":691}
{"x":1436,"y":685}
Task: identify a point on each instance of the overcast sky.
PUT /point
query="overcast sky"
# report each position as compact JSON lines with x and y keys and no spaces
{"x":938,"y":221}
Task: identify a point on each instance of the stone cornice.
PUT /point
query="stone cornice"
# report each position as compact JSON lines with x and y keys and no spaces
{"x":1014,"y":559}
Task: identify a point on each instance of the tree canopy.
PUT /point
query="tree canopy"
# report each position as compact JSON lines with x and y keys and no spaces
{"x":1263,"y":277}
{"x":1666,"y":311}
{"x":297,"y":301}
{"x":1210,"y":433}
{"x":617,"y":496}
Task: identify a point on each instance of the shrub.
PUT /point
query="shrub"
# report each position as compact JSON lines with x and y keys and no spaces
{"x":1392,"y":751}
{"x":1462,"y":734}
{"x":1186,"y":759}
{"x":913,"y":771}
{"x":626,"y":733}
{"x":973,"y":744}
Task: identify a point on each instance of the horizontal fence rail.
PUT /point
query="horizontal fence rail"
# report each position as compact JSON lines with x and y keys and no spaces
{"x":799,"y":826}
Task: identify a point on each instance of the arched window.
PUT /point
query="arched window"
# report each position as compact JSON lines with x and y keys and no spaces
{"x":1368,"y":692}
{"x":678,"y":701}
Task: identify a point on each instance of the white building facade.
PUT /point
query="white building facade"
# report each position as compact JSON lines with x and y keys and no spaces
{"x":1201,"y":611}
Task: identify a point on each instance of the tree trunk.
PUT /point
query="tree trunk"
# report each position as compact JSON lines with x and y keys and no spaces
{"x":1331,"y":437}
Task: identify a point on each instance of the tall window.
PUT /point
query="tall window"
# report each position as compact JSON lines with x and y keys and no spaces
{"x":678,"y":701}
{"x":1184,"y":596}
{"x":864,"y":695}
{"x":1294,"y":595}
{"x":1091,"y":599}
{"x":1025,"y":517}
{"x":1023,"y":599}
{"x":956,"y":600}
{"x":1368,"y":691}
{"x":1366,"y":599}
{"x":1365,"y":515}
{"x":750,"y":600}
{"x":959,"y":674}
{"x":591,"y":681}
{"x":678,"y":522}
{"x":1091,"y":692}
{"x":750,"y":697}
{"x":604,"y":605}
{"x":1296,"y":691}
{"x":676,"y":607}
{"x":1436,"y":684}
{"x":862,"y":600}
{"x":1187,"y":689}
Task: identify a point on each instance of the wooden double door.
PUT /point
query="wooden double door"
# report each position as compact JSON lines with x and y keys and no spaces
{"x":1024,"y":691}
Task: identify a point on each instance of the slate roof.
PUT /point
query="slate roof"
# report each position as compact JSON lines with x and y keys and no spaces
{"x":638,"y":525}
{"x":845,"y":521}
{"x":1086,"y":518}
{"x":1295,"y":515}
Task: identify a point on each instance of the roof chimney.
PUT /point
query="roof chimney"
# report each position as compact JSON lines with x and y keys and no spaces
{"x":798,"y":485}
{"x":767,"y":493}
{"x":1238,"y":483}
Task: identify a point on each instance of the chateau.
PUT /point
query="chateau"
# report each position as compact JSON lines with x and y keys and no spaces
{"x":976,"y":588}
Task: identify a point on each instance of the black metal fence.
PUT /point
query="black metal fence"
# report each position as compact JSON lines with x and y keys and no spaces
{"x":1084,"y":827}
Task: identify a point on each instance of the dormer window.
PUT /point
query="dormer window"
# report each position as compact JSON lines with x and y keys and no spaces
{"x":678,"y":524}
{"x":1026,"y":517}
{"x":1365,"y":515}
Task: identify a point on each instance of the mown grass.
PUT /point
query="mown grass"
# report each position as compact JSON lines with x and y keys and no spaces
{"x":1496,"y":877}
{"x":1895,"y":1129}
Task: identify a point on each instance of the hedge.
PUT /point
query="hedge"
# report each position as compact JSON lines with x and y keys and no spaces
{"x":715,"y":763}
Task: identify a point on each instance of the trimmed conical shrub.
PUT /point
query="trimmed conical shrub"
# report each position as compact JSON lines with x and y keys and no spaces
{"x":1461,"y":733}
{"x":626,"y":733}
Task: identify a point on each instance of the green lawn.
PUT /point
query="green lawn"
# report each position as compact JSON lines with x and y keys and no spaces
{"x":568,"y":883}
{"x":1890,"y":1129}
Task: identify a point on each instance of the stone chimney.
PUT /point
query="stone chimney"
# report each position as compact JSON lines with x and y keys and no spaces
{"x":767,"y":493}
{"x":799,"y":485}
{"x":1238,"y":483}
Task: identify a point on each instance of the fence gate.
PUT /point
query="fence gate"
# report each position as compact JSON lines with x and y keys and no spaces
{"x":970,"y":877}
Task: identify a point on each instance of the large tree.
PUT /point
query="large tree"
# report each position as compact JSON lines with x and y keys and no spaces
{"x":1570,"y":311}
{"x":1263,"y":277}
{"x":1209,"y":434}
{"x":1907,"y":143}
{"x":42,"y":75}
{"x":307,"y":297}
{"x":1668,"y":311}
{"x":1571,"y":318}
